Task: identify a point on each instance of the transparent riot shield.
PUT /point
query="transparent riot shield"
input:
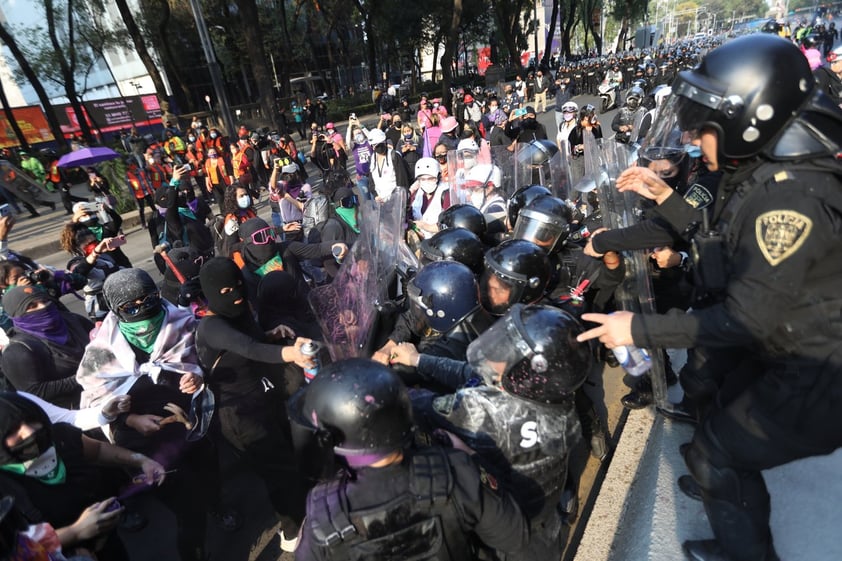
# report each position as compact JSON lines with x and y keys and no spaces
{"x":459,"y":165}
{"x":620,"y":210}
{"x":540,"y":162}
{"x":504,"y":159}
{"x":347,"y":309}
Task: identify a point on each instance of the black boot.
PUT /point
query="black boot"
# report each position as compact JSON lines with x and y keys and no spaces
{"x":689,"y":487}
{"x":640,"y":396}
{"x":710,"y":550}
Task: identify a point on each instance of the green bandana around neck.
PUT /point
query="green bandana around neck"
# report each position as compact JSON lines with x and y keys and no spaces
{"x":349,"y":215}
{"x":96,"y":229}
{"x":142,"y":334}
{"x":274,"y":264}
{"x":55,"y":477}
{"x":186,"y":212}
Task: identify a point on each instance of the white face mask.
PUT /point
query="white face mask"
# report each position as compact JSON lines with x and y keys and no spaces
{"x":244,"y":201}
{"x":359,"y":139}
{"x":568,"y":116}
{"x":478,"y":198}
{"x":428,"y":185}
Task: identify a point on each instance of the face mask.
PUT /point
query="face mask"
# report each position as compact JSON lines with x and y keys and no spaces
{"x":397,"y":124}
{"x":529,"y":122}
{"x":212,"y":156}
{"x":428,"y":185}
{"x":492,"y":108}
{"x":191,"y":138}
{"x":693,"y":151}
{"x":478,"y":198}
{"x":381,"y":149}
{"x":407,"y":136}
{"x":567,"y":116}
{"x":329,"y":131}
{"x":359,"y":138}
{"x":244,"y":202}
{"x":213,"y":135}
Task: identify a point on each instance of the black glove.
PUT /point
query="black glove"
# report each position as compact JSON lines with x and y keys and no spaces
{"x":189,"y":292}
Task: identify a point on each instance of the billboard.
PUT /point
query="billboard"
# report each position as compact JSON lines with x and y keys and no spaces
{"x":111,"y":114}
{"x":32,"y":123}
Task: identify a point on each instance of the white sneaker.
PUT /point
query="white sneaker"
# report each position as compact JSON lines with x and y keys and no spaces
{"x":287,"y":544}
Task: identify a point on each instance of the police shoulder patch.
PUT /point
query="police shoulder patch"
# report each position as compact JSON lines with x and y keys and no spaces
{"x":780,"y":233}
{"x":698,"y":196}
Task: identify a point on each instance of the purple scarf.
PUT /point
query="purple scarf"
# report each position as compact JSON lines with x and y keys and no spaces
{"x":46,"y":323}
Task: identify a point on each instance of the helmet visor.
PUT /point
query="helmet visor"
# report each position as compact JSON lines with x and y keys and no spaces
{"x":498,"y":291}
{"x":500,"y":347}
{"x":539,"y":229}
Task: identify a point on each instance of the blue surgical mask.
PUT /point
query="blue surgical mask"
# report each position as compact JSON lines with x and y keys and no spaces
{"x":244,"y":201}
{"x":693,"y":151}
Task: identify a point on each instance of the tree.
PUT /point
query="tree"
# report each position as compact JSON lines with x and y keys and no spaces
{"x":627,"y":12}
{"x":140,"y":47}
{"x":257,"y":58}
{"x":545,"y":60}
{"x":449,"y":48}
{"x":35,"y":82}
{"x":509,"y":14}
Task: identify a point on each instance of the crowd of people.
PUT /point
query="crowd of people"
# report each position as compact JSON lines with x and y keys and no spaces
{"x":400,"y":353}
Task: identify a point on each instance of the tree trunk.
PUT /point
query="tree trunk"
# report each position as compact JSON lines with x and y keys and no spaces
{"x":450,"y":46}
{"x":371,"y":53}
{"x":67,"y":66}
{"x":142,"y":51}
{"x":260,"y":70}
{"x":548,"y":43}
{"x":435,"y":61}
{"x":52,"y":120}
{"x":24,"y":145}
{"x":181,"y":91}
{"x":505,"y":26}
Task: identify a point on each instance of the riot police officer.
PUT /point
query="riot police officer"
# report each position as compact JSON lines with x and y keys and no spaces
{"x":516,"y":271}
{"x":773,"y":240}
{"x":521,"y":421}
{"x":361,"y":410}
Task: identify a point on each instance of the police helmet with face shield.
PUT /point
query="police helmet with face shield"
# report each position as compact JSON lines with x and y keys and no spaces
{"x":747,"y":90}
{"x":545,"y":222}
{"x":532,"y":352}
{"x":444,"y":293}
{"x":357,"y":407}
{"x":523,"y":197}
{"x":454,"y":244}
{"x":463,"y":216}
{"x":519,"y":270}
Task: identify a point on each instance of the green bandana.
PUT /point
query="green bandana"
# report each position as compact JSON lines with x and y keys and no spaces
{"x":96,"y":229}
{"x":142,"y":334}
{"x":349,"y":215}
{"x":274,"y":264}
{"x":55,"y":477}
{"x":186,"y":212}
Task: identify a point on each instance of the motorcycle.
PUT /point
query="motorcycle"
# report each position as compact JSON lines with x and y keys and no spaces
{"x":608,"y":92}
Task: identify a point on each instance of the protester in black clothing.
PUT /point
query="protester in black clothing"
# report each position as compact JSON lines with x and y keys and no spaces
{"x":526,"y":128}
{"x":45,"y":346}
{"x":90,"y":215}
{"x":243,"y":369}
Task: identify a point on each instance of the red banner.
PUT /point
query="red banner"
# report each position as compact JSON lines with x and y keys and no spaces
{"x":32,"y":123}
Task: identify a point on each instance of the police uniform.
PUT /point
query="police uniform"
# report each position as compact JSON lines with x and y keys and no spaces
{"x":773,"y":257}
{"x":426,"y":507}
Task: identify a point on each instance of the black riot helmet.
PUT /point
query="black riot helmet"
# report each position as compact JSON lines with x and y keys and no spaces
{"x":523,"y":197}
{"x":533,"y":353}
{"x":747,"y":90}
{"x":454,"y":244}
{"x":357,"y":407}
{"x":444,"y":293}
{"x":545,"y":222}
{"x":463,"y":216}
{"x":515,"y":271}
{"x":537,"y":152}
{"x":634,"y":97}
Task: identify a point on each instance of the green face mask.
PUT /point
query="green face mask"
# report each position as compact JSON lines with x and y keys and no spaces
{"x":142,"y":334}
{"x":96,"y":229}
{"x":349,"y":215}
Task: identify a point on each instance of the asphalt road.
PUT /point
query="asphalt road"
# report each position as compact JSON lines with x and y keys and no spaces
{"x":257,"y":539}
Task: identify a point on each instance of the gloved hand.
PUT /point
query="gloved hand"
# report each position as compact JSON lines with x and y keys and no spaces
{"x":189,"y":292}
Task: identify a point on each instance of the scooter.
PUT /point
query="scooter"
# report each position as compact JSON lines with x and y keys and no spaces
{"x":608,"y":94}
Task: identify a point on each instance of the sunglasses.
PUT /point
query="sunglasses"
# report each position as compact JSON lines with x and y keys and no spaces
{"x":263,"y":236}
{"x":441,"y":156}
{"x":134,"y":308}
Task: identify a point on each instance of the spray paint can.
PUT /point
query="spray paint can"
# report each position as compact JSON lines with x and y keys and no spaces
{"x":311,"y":350}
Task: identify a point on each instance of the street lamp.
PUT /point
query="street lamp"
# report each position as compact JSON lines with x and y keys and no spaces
{"x":138,"y":86}
{"x":210,"y":108}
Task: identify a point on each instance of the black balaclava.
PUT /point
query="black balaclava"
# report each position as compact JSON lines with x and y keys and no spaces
{"x":129,"y":285}
{"x":254,"y":254}
{"x":14,"y":410}
{"x":219,"y":273}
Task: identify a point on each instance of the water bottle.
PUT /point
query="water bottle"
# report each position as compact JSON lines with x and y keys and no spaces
{"x":634,"y":360}
{"x":311,"y":350}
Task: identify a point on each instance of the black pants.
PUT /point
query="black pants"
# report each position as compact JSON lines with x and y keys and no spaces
{"x":141,"y":208}
{"x":767,"y":414}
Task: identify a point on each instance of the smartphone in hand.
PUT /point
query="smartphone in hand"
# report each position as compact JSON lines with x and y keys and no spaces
{"x":115,"y":242}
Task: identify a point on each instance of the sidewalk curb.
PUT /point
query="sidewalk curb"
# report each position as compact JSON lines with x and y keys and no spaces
{"x":599,"y":541}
